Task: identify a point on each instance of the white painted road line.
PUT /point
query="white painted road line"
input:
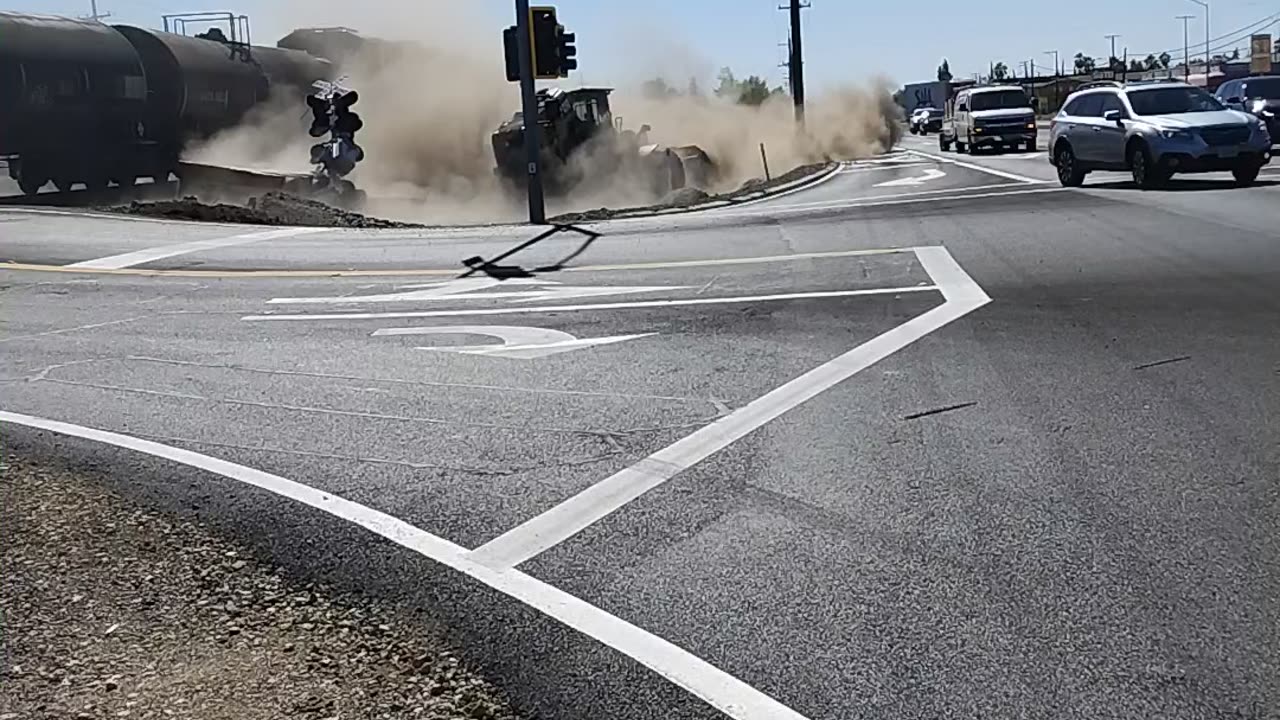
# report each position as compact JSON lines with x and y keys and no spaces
{"x":577,"y":513}
{"x":980,"y":168}
{"x":924,"y":196}
{"x":717,"y":688}
{"x":141,"y":257}
{"x":596,"y":306}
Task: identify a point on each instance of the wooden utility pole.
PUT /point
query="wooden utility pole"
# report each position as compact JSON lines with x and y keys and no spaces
{"x":795,"y":65}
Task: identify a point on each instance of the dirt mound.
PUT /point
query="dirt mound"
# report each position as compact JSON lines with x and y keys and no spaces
{"x":270,"y":209}
{"x":685,"y":197}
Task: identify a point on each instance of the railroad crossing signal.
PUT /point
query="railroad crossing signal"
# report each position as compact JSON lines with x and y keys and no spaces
{"x":553,"y":49}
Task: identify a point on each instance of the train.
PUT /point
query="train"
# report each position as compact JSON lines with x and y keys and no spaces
{"x":83,"y":102}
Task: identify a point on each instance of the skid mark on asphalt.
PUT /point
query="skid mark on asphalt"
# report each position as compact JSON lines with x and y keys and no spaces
{"x":717,"y":688}
{"x":533,"y":537}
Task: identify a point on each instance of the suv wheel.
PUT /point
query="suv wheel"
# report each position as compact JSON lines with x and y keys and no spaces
{"x":1069,"y":172}
{"x":1145,"y":174}
{"x":1245,"y":174}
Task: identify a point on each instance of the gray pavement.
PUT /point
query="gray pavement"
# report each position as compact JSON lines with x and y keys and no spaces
{"x":1059,"y":504}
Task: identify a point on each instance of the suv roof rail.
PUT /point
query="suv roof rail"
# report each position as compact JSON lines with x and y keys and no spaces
{"x":1154,"y":81}
{"x":1097,"y":84}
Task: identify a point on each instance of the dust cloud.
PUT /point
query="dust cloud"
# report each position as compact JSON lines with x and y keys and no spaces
{"x":432,"y":98}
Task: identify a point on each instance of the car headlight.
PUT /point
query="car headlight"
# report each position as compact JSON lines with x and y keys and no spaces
{"x":1031,"y":126}
{"x":1258,"y":106}
{"x":1176,"y":134}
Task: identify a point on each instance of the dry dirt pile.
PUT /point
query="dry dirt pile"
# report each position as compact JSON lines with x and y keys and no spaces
{"x":269,"y":209}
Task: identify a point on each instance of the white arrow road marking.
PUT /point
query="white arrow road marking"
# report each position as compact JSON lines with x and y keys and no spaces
{"x":930,"y":174}
{"x":459,"y":289}
{"x":519,"y":342}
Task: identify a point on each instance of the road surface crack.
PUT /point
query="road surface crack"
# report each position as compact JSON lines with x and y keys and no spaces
{"x":374,"y":460}
{"x":424,"y":383}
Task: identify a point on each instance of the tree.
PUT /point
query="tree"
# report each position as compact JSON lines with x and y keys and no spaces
{"x":999,"y":72}
{"x":657,"y":89}
{"x":728,"y":85}
{"x":1150,"y":62}
{"x":1136,"y":66}
{"x":753,"y":91}
{"x":1165,"y":60}
{"x":694,"y":90}
{"x":1115,"y":64}
{"x":944,"y":71}
{"x":1084,"y":64}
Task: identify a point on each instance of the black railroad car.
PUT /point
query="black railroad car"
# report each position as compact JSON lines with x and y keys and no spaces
{"x":84,"y":102}
{"x":73,"y":99}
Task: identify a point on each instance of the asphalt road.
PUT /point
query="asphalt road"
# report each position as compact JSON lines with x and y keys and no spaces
{"x":934,"y":438}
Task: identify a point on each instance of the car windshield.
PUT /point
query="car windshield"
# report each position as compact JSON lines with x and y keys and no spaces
{"x":935,"y":113}
{"x":1266,"y":88}
{"x":1172,"y":100}
{"x":998,"y":100}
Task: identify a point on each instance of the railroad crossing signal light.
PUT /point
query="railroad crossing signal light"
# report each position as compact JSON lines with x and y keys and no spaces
{"x":566,"y":50}
{"x":511,"y":50}
{"x":543,"y":34}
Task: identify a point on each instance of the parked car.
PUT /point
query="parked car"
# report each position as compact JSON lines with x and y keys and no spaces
{"x":997,"y":116}
{"x":926,"y":120}
{"x":1153,"y":130}
{"x":1259,"y":95}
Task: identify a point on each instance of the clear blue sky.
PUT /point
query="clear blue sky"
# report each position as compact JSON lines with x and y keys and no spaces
{"x":845,"y":40}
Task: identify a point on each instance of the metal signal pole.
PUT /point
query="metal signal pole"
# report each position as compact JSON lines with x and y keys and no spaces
{"x":529,"y":112}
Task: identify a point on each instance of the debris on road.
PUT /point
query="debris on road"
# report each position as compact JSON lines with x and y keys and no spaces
{"x":273,"y":208}
{"x":939,"y":411}
{"x":113,"y":611}
{"x":1158,"y":363}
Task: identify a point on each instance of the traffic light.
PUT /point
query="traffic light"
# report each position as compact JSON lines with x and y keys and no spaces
{"x":566,"y":51}
{"x":543,"y":34}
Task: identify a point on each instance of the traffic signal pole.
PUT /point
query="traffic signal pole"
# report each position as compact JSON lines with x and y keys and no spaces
{"x":529,"y":111}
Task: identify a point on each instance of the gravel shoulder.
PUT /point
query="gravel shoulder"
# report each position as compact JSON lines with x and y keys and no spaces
{"x":113,"y":611}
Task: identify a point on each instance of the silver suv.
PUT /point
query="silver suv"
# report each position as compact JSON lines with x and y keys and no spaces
{"x":1153,"y":130}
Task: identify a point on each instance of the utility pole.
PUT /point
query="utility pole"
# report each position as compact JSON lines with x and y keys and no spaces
{"x":1057,"y":74}
{"x":529,"y":112}
{"x":795,"y":64}
{"x":1110,"y":65}
{"x":1186,"y":49}
{"x":1205,"y":5}
{"x":1057,"y":69}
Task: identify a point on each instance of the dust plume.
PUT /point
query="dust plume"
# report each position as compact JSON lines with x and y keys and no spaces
{"x":432,"y":97}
